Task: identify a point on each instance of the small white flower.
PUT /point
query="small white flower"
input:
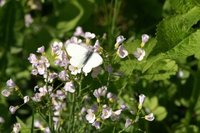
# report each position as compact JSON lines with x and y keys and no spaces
{"x":47,"y":130}
{"x":60,"y":94}
{"x":33,"y":59}
{"x":100,"y":92}
{"x":128,"y":122}
{"x":62,"y":59}
{"x":141,"y":101}
{"x":83,"y":110}
{"x":116,"y":114}
{"x":28,"y":20}
{"x":123,"y":106}
{"x":122,"y":52}
{"x":180,"y":74}
{"x":63,"y":75}
{"x":56,"y":47}
{"x":139,"y":54}
{"x":37,"y":97}
{"x":96,"y":124}
{"x":69,"y":86}
{"x":90,"y":117}
{"x":43,"y":91}
{"x":2,"y":3}
{"x":26,"y":99}
{"x":73,"y":39}
{"x":106,"y":113}
{"x":34,"y":71}
{"x":5,"y":93}
{"x":97,"y":46}
{"x":79,"y":31}
{"x":149,"y":117}
{"x":74,"y":70}
{"x":120,"y":39}
{"x":145,"y":39}
{"x":89,"y":35}
{"x":41,"y":49}
{"x":1,"y":120}
{"x":16,"y":127}
{"x":112,"y":97}
{"x":37,"y":124}
{"x":10,"y":83}
{"x":50,"y":77}
{"x":13,"y":109}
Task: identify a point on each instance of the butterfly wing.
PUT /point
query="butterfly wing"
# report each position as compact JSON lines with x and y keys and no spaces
{"x":94,"y":60}
{"x":78,"y":54}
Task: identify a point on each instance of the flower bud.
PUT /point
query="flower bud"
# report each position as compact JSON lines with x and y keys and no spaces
{"x":141,"y":101}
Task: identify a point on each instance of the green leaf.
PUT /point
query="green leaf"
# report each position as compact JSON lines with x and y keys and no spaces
{"x":187,"y":47}
{"x":161,"y":70}
{"x":181,"y":6}
{"x":197,"y":2}
{"x":151,"y":103}
{"x":24,"y":127}
{"x":84,"y":10}
{"x":173,"y":30}
{"x":160,"y":113}
{"x":128,"y":66}
{"x":151,"y":61}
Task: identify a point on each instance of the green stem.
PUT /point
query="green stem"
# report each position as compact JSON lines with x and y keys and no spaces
{"x":73,"y":111}
{"x":115,"y":14}
{"x":32,"y":124}
{"x":194,"y":96}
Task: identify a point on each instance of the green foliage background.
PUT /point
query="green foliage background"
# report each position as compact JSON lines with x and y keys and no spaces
{"x":174,"y":46}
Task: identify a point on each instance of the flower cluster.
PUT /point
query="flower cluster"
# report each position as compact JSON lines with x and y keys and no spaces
{"x":122,"y":52}
{"x":60,"y":90}
{"x":140,"y":52}
{"x":148,"y":117}
{"x":104,"y":108}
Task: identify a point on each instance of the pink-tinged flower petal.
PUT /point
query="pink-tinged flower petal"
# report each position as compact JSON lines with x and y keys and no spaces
{"x":69,"y":86}
{"x":128,"y":122}
{"x":141,"y":101}
{"x":139,"y":54}
{"x":122,"y":52}
{"x":90,"y":117}
{"x":10,"y":83}
{"x":149,"y":117}
{"x":145,"y":38}
{"x":120,"y":39}
{"x":41,"y":49}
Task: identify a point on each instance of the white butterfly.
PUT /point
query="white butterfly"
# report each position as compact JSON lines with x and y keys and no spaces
{"x":83,"y":57}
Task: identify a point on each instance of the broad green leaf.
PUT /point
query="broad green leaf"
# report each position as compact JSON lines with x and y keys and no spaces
{"x":131,"y":64}
{"x":181,"y":6}
{"x":151,"y":103}
{"x":84,"y":9}
{"x":187,"y":47}
{"x":151,"y":61}
{"x":197,"y":2}
{"x":128,"y":66}
{"x":161,"y":70}
{"x":173,"y":30}
{"x":160,"y":113}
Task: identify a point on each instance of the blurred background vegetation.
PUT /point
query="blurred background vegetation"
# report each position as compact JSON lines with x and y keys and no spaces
{"x":26,"y":25}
